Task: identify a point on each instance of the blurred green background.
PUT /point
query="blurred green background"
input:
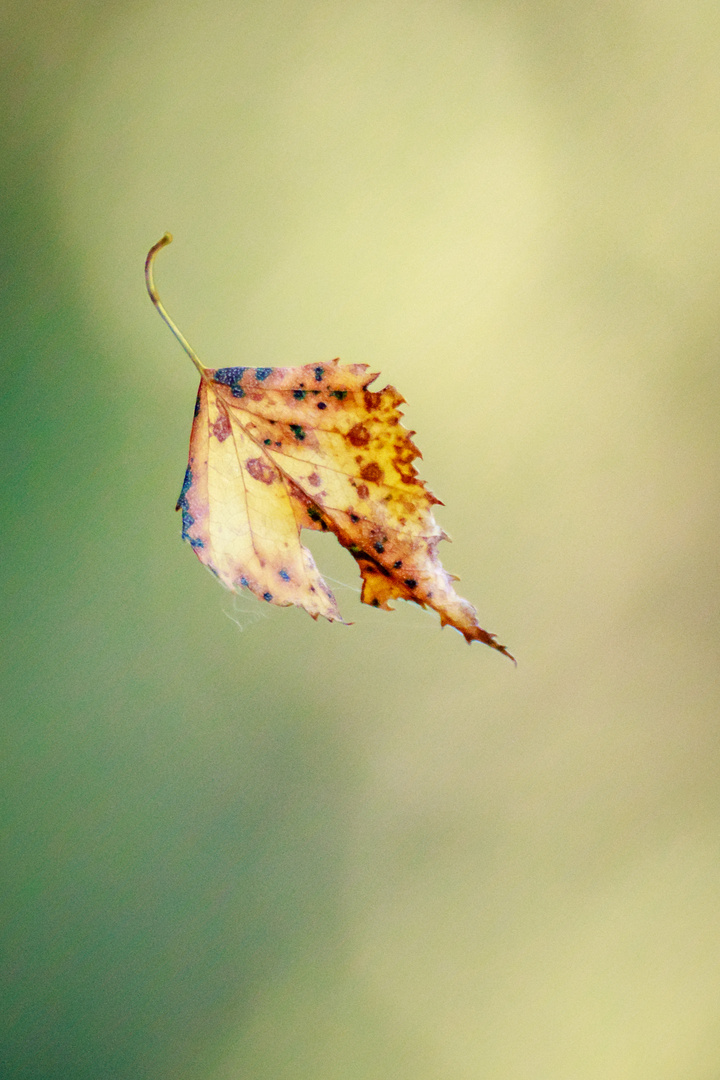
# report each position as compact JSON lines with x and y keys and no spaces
{"x":240,"y":844}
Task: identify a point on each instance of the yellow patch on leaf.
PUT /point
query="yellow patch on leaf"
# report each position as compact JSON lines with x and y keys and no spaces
{"x":277,"y":450}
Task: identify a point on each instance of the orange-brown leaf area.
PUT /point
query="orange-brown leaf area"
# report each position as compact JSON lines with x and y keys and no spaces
{"x":277,"y":450}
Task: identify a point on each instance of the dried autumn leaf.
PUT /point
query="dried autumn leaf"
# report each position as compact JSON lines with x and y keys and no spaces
{"x":277,"y":450}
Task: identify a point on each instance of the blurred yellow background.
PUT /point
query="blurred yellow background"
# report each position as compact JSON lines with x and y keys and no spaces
{"x":240,"y":844}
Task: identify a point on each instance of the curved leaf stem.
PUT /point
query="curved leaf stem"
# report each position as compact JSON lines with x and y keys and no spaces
{"x":153,"y":294}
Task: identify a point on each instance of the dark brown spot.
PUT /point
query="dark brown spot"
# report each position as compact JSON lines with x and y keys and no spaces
{"x":411,"y":582}
{"x":397,"y":565}
{"x":314,"y":514}
{"x":260,"y":470}
{"x":359,"y":435}
{"x":363,"y":491}
{"x":372,"y":472}
{"x":372,"y":400}
{"x":354,"y":518}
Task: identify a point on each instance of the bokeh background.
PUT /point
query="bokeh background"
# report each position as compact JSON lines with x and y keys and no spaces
{"x":240,"y":844}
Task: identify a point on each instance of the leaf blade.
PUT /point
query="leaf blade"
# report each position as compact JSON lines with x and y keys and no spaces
{"x":276,"y":450}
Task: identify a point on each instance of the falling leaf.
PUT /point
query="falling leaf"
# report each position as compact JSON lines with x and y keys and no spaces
{"x":277,"y":450}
